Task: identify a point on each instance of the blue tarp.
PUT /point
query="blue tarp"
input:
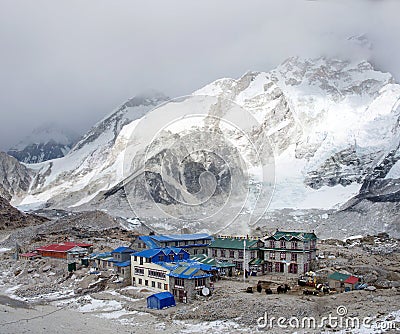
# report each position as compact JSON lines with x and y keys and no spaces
{"x":160,"y":300}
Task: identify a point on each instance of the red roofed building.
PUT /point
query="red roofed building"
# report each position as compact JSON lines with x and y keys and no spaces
{"x":60,"y":250}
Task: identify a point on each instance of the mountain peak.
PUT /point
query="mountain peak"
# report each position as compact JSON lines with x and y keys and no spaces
{"x":46,"y":142}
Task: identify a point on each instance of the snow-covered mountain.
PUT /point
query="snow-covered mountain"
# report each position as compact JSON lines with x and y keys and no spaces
{"x":333,"y":126}
{"x":93,"y":164}
{"x":47,"y":142}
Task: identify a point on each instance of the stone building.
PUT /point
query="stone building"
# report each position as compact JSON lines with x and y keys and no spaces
{"x":289,"y":252}
{"x":238,"y":250}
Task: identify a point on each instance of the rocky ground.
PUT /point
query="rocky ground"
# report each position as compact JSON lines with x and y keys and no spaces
{"x":11,"y":218}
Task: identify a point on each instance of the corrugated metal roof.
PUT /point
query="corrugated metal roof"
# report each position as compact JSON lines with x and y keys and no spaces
{"x":122,"y":264}
{"x":351,"y":280}
{"x":123,"y":250}
{"x":149,"y":241}
{"x":180,"y":237}
{"x":148,"y":253}
{"x":256,"y":262}
{"x":233,"y":243}
{"x":62,"y":247}
{"x":338,"y":276}
{"x":292,"y":235}
{"x":162,"y":295}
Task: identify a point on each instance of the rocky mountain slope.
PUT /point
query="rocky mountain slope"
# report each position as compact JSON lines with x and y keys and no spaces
{"x":333,"y":129}
{"x":47,"y":142}
{"x":15,"y":178}
{"x":11,"y":218}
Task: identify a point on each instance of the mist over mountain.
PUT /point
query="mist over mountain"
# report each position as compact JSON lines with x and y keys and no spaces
{"x":47,"y":142}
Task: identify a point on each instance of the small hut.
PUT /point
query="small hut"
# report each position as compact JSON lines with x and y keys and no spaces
{"x":160,"y":300}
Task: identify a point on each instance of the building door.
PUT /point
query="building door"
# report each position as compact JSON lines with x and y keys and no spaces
{"x":279,"y":267}
{"x":182,"y":295}
{"x":293,"y":268}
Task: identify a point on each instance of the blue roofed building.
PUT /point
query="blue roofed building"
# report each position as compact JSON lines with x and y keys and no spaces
{"x":118,"y":260}
{"x":160,"y":300}
{"x":170,"y":269}
{"x":194,"y":243}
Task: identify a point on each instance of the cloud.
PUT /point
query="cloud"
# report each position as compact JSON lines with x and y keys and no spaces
{"x":73,"y":61}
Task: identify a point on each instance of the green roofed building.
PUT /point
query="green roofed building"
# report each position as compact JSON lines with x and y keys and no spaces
{"x":290,"y":252}
{"x":238,"y":250}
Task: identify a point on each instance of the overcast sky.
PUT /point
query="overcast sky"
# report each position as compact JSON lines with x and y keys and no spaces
{"x":73,"y":62}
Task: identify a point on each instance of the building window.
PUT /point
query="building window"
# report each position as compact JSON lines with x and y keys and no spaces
{"x":283,"y":244}
{"x":139,"y":271}
{"x":293,"y":257}
{"x":222,"y":252}
{"x":232,"y":254}
{"x":214,"y":253}
{"x":238,"y":265}
{"x":252,"y":254}
{"x":146,"y":282}
{"x":204,"y":251}
{"x":241,"y":254}
{"x":165,"y":286}
{"x":148,"y":260}
{"x":283,"y":255}
{"x":309,"y":256}
{"x":140,"y":281}
{"x":305,"y":267}
{"x":135,"y":258}
{"x":171,"y":257}
{"x":159,"y":285}
{"x":272,"y":255}
{"x":141,"y":261}
{"x":294,"y":244}
{"x":157,"y":274}
{"x":161,"y":258}
{"x":200,"y":282}
{"x":179,"y":282}
{"x":153,"y":284}
{"x":195,"y":252}
{"x":272,"y":243}
{"x":180,"y":256}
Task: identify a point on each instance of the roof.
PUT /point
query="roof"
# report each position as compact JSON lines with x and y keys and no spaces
{"x":77,"y":250}
{"x":203,"y":258}
{"x":149,"y":241}
{"x":162,"y":295}
{"x":122,"y":264}
{"x":180,"y":237}
{"x":233,"y":243}
{"x":338,"y":277}
{"x":62,"y":247}
{"x":256,"y":262}
{"x":190,"y":270}
{"x":148,"y":253}
{"x":100,"y":255}
{"x":292,"y":235}
{"x":29,"y":254}
{"x":351,"y":280}
{"x":123,"y":250}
